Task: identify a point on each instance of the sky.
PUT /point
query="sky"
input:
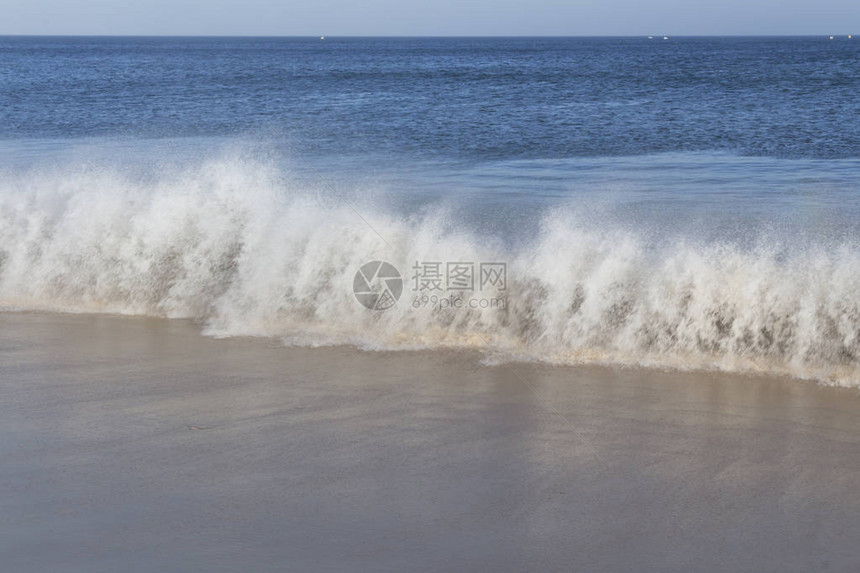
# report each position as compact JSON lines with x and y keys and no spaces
{"x":430,"y":17}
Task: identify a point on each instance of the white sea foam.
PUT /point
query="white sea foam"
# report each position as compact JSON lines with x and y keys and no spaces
{"x":234,"y":244}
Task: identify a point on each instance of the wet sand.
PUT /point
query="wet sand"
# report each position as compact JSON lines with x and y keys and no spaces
{"x":138,"y":445}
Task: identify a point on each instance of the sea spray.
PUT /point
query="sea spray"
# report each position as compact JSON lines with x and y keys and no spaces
{"x":244,"y":249}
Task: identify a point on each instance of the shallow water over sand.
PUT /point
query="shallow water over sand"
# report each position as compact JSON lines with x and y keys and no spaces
{"x":138,"y":444}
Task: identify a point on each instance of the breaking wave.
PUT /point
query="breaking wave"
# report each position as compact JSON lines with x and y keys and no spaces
{"x":237,"y":246}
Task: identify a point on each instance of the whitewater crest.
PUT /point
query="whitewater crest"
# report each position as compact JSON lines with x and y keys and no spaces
{"x":234,"y":244}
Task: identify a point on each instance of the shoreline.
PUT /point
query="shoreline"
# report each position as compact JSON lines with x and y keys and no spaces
{"x":137,"y":443}
{"x":488,"y":358}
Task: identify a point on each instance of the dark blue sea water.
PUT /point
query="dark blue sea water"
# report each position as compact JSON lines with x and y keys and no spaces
{"x":684,"y":202}
{"x":758,"y":122}
{"x":463,"y":99}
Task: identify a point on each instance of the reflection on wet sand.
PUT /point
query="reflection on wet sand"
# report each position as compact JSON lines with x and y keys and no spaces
{"x":139,"y":444}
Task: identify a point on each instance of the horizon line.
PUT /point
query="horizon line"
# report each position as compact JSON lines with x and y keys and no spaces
{"x":425,"y":36}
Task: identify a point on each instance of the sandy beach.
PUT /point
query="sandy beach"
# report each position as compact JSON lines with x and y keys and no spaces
{"x":135,"y":444}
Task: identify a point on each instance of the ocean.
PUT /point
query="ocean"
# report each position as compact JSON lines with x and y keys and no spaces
{"x":463,"y":304}
{"x":690,"y":203}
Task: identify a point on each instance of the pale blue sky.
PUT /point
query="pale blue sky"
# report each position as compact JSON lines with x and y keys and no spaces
{"x":429,"y":17}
